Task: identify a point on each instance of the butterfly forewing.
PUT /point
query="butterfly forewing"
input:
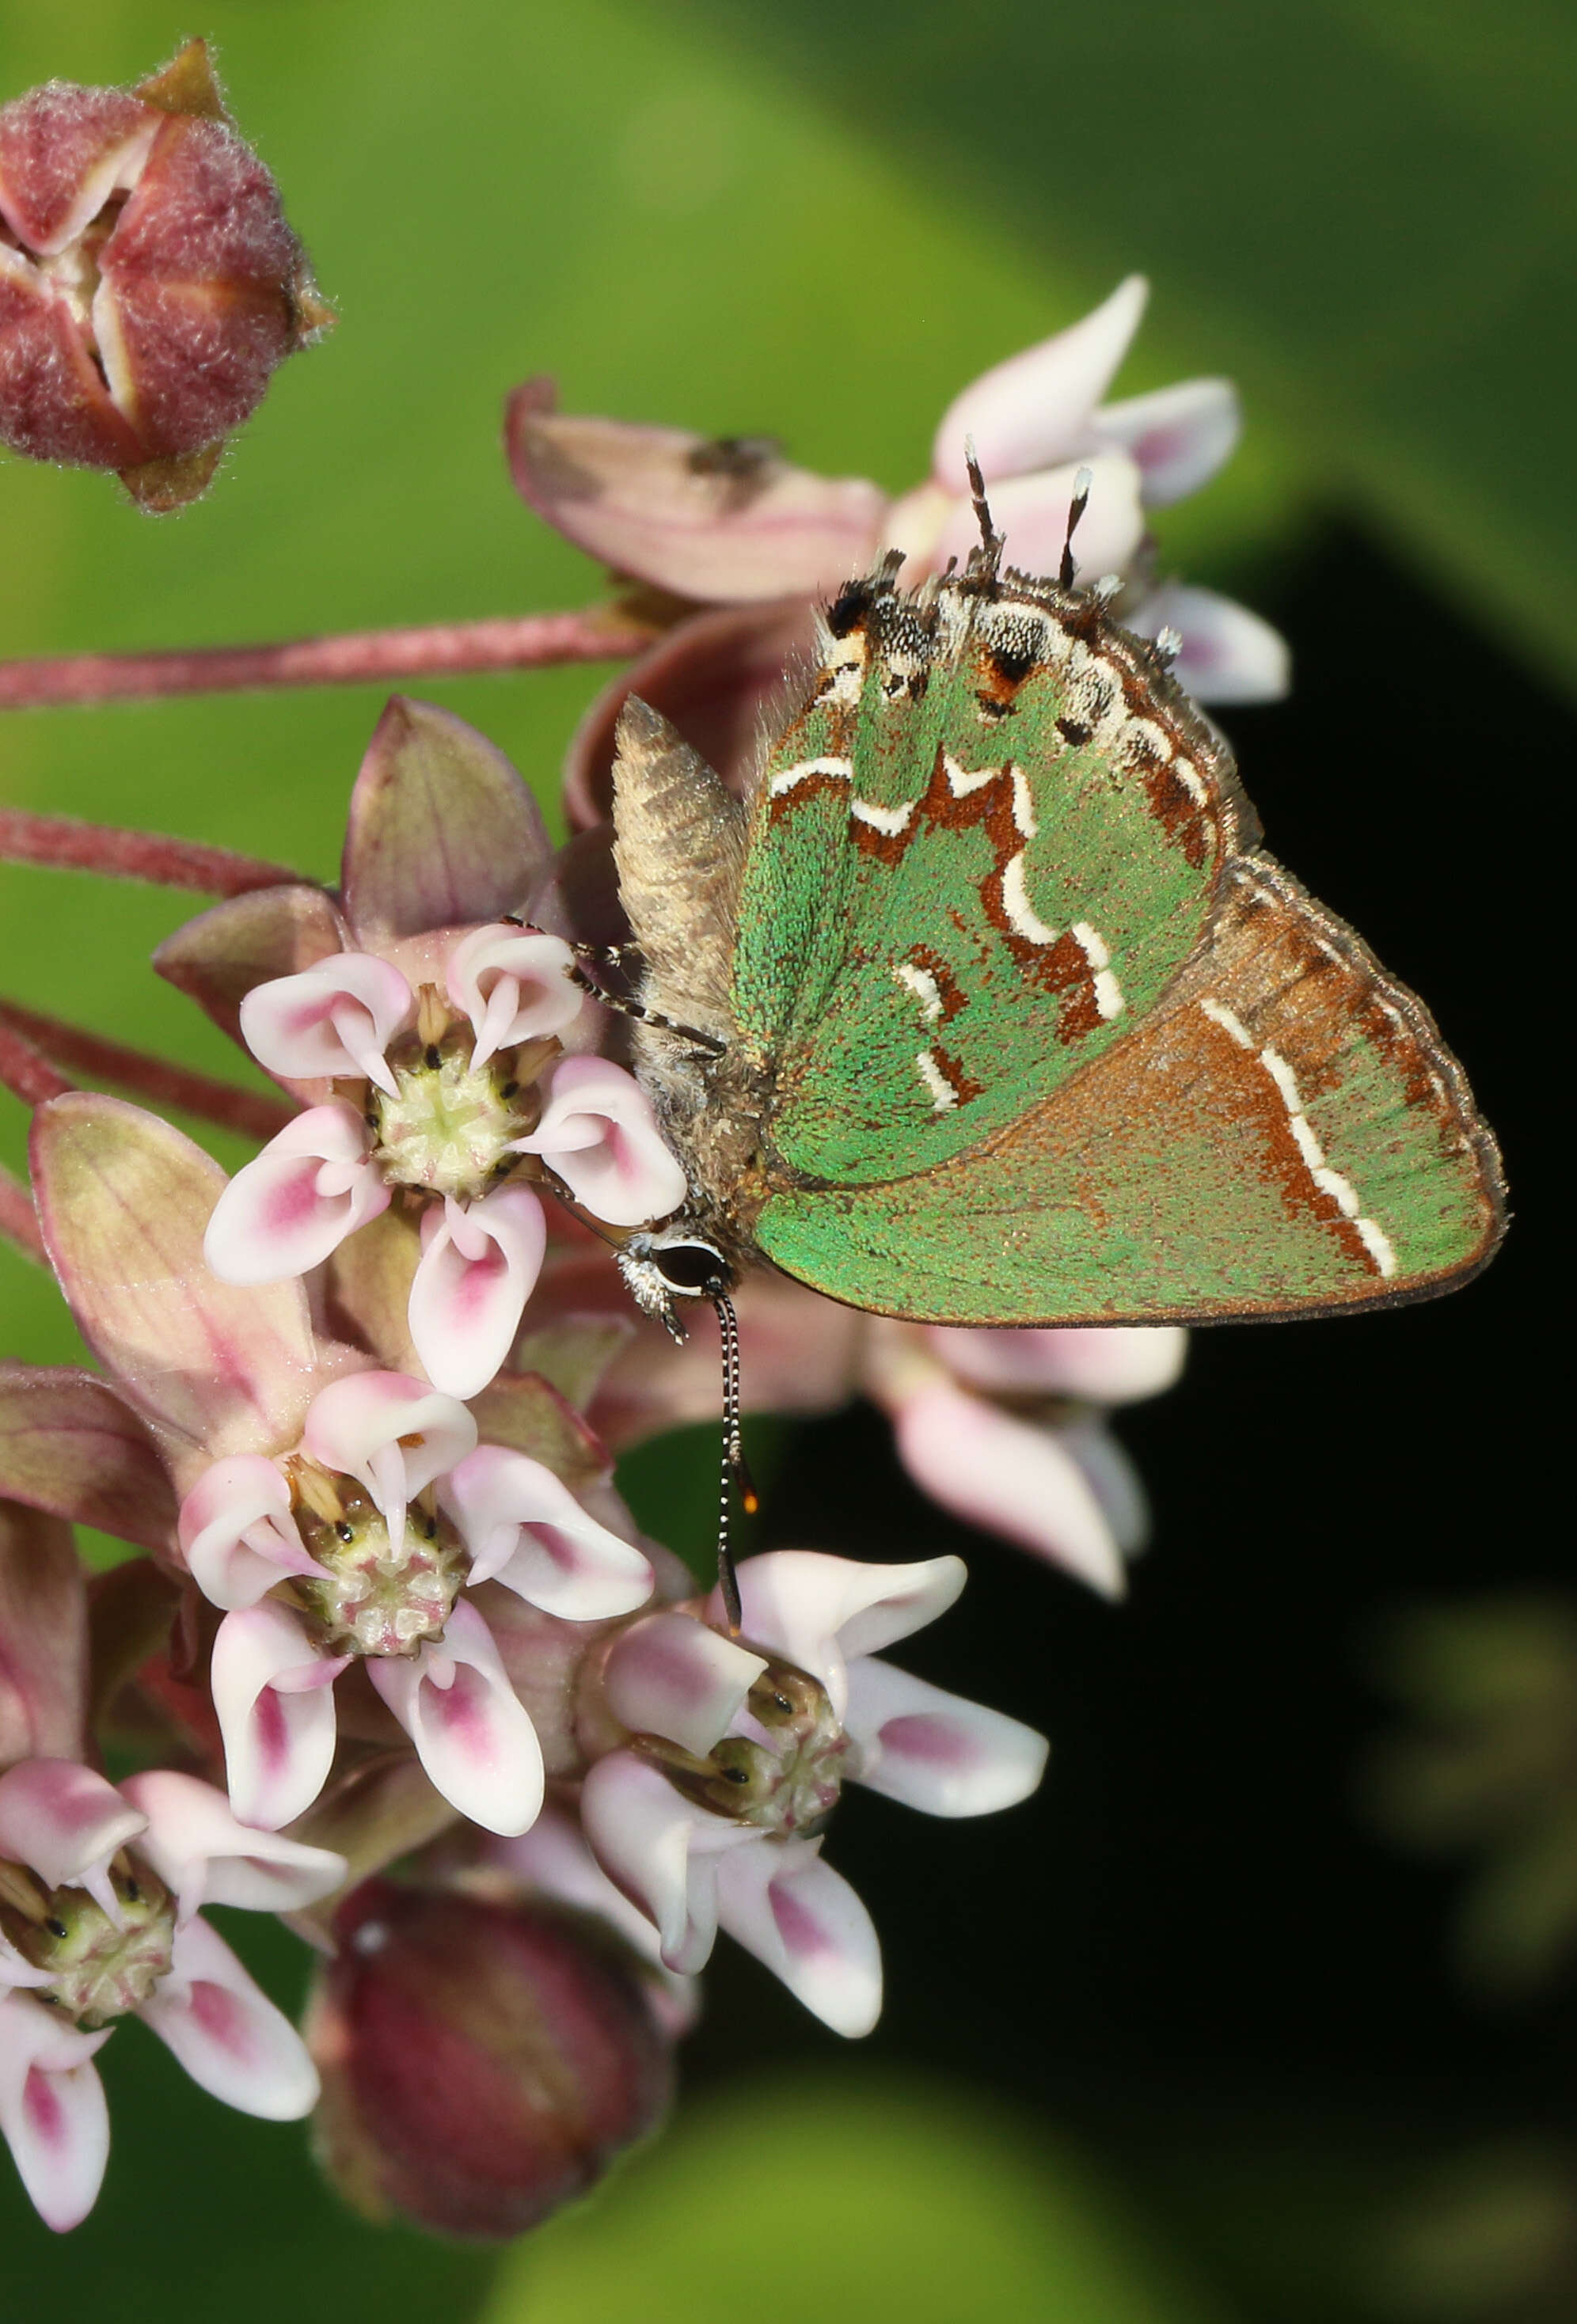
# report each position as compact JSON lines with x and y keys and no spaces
{"x":978,"y":861}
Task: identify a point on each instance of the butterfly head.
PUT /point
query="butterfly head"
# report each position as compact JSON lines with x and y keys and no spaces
{"x":676,"y":1261}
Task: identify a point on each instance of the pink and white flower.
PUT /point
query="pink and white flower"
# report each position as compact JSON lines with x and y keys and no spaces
{"x":443,"y":1116}
{"x":712,"y":1815}
{"x":731,"y":525}
{"x":357,"y":1547}
{"x":99,"y":1896}
{"x":335,"y":1512}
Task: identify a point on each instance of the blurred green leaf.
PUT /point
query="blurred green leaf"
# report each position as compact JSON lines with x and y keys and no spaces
{"x":1363,"y":208}
{"x":851,"y":2201}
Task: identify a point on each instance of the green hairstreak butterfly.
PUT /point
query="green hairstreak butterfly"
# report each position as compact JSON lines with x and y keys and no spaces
{"x":1005,"y":1017}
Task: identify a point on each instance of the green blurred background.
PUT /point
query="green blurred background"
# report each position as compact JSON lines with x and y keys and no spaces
{"x":1216,"y":2065}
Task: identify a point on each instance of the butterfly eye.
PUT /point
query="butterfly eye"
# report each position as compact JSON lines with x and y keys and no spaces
{"x":692,"y":1267}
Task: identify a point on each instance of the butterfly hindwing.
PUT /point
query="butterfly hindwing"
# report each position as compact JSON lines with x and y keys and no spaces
{"x":976,"y":862}
{"x":1285,"y":1132}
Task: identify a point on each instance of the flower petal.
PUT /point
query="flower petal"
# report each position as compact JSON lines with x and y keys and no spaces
{"x":717,"y":523}
{"x":442,"y":831}
{"x":805,"y":1924}
{"x":715,"y":678}
{"x":1009,"y":1476}
{"x":815,"y":1610}
{"x":479,"y":1266}
{"x":598,"y":1132}
{"x":271,"y":1692}
{"x":1032,"y":514}
{"x":227,"y":2034}
{"x":525,"y":1528}
{"x":1110,"y":1364}
{"x":124,"y":1201}
{"x":661,"y":1851}
{"x":237,"y":1533}
{"x":67,"y":1821}
{"x":1033,"y":411}
{"x":515,"y":984}
{"x":472,"y":1732}
{"x":935,"y":1750}
{"x":1179,"y":436}
{"x":1228,"y":653}
{"x":52,"y":2111}
{"x":392,"y":1434}
{"x":332,"y":1021}
{"x":309,"y":1188}
{"x":69,"y":1444}
{"x":554,"y":1860}
{"x":219,"y":956}
{"x":205,"y":1856}
{"x":44,"y":1622}
{"x":673,"y":1675}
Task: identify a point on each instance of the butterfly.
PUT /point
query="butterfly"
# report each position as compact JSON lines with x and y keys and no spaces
{"x":986,"y":1005}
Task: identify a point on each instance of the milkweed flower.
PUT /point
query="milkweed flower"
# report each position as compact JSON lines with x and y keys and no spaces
{"x":712,"y":1815}
{"x":335,"y":1512}
{"x":732,"y":523}
{"x":100,"y":1888}
{"x":423,"y":1030}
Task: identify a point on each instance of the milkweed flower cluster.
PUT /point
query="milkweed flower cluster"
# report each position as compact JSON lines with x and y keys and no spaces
{"x":388,"y":1650}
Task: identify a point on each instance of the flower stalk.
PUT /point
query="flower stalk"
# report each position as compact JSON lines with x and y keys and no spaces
{"x":356,"y":657}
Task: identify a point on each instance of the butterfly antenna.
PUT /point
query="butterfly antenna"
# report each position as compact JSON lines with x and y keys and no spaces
{"x":625,"y":1004}
{"x":734,"y":1470}
{"x":992,"y":541}
{"x":1076,"y":507}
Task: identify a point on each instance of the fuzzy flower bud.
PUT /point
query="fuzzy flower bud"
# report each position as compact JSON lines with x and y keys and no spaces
{"x":482,"y":2063}
{"x":149,"y":283}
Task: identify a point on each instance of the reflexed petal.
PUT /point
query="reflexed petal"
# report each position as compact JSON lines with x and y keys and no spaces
{"x":1227,"y":654}
{"x":815,"y":1609}
{"x":715,"y":678}
{"x":525,"y":1528}
{"x":938,"y":1751}
{"x":272,"y":932}
{"x":44,"y":1622}
{"x":69,"y":1445}
{"x":1111,"y":1364}
{"x":661,"y":1851}
{"x":1180,"y":436}
{"x":513,"y":985}
{"x":200,"y":1852}
{"x":1032,"y":514}
{"x":52,"y":2111}
{"x":123,"y":1200}
{"x":1009,"y":1476}
{"x":553,"y":1859}
{"x":442,"y":832}
{"x":332,"y":1021}
{"x":309,"y":1188}
{"x":1112,"y":1477}
{"x":805,"y":1924}
{"x":67,"y":1821}
{"x":661,"y":504}
{"x":472,"y":1732}
{"x":392,"y":1434}
{"x":272,"y":1697}
{"x":676,"y":1677}
{"x":599,"y":1133}
{"x":1033,"y":411}
{"x":237,"y":1533}
{"x":916,"y":524}
{"x":226,"y":2032}
{"x":479,"y":1266}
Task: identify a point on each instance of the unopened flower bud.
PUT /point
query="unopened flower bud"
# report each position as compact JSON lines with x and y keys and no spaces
{"x":482,"y":2063}
{"x":149,"y":283}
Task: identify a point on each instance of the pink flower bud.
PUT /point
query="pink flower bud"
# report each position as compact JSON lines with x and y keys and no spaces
{"x":481,"y":2064}
{"x":149,"y":283}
